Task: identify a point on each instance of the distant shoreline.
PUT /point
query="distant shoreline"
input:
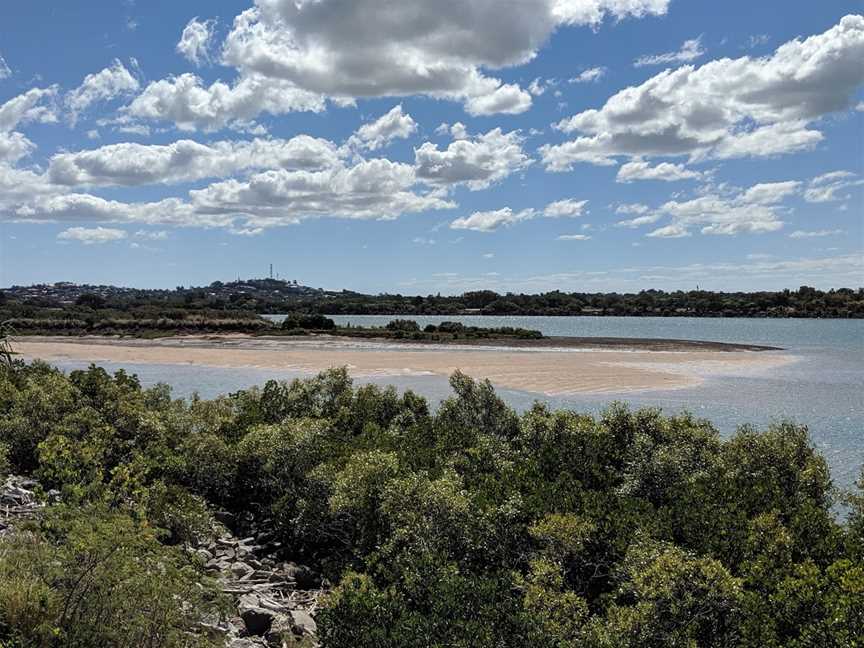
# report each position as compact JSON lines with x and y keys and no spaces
{"x":581,"y":365}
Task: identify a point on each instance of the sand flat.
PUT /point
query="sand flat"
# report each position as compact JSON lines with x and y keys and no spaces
{"x":542,"y":370}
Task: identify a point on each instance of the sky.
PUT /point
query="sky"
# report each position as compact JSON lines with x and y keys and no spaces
{"x":414,"y":147}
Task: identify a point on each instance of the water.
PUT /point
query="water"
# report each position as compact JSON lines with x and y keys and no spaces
{"x":823,"y":389}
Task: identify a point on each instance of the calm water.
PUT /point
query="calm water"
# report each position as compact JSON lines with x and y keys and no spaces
{"x":823,"y":389}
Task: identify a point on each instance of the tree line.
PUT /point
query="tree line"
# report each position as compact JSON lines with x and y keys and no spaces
{"x":806,"y":301}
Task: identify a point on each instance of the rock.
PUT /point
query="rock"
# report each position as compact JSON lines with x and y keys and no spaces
{"x":240,"y":569}
{"x":258,"y":620}
{"x":304,"y":577}
{"x":244,"y":643}
{"x":303,"y":623}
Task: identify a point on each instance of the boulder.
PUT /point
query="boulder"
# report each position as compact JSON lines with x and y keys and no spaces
{"x":240,"y":569}
{"x":257,"y":619}
{"x":303,"y":623}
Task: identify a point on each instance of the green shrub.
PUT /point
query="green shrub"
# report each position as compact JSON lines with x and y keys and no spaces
{"x":89,"y":577}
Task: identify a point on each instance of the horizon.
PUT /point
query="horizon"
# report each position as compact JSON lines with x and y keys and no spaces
{"x":302,"y":285}
{"x":591,"y":146}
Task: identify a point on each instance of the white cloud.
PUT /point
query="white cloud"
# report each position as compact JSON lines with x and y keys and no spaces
{"x":801,"y":234}
{"x":5,"y":71}
{"x":92,"y":236}
{"x":632,"y":208}
{"x":569,"y":207}
{"x":395,"y":124}
{"x":690,"y":51}
{"x":574,"y":237}
{"x":725,"y":108}
{"x":457,"y":131}
{"x":159,"y":235}
{"x":477,"y":162}
{"x":371,"y":189}
{"x":412,"y":47}
{"x":14,"y":146}
{"x":755,"y":210}
{"x":669,"y":231}
{"x":827,"y":187}
{"x":489,"y":221}
{"x":28,"y":107}
{"x":110,"y":83}
{"x":196,"y":41}
{"x":666,"y":171}
{"x":639,"y":221}
{"x":589,"y":76}
{"x":131,"y":164}
{"x":190,"y":105}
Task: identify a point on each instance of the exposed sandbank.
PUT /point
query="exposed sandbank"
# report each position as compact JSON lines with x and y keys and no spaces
{"x":621,"y":366}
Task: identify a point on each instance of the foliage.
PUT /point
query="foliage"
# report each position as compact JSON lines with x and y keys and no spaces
{"x":471,"y":525}
{"x":89,"y":577}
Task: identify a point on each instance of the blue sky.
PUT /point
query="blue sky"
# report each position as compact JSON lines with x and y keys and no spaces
{"x":420,"y":147}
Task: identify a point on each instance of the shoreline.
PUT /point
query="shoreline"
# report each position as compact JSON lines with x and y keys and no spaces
{"x":617,"y":367}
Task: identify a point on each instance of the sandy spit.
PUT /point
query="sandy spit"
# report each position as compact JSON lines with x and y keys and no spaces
{"x":543,"y":370}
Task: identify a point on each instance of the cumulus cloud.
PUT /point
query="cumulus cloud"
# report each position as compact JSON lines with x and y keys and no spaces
{"x":35,"y":105}
{"x":110,"y":83}
{"x":14,"y":146}
{"x":409,"y":47}
{"x":196,"y":41}
{"x":130,"y":164}
{"x":690,"y":51}
{"x":638,"y":221}
{"x":755,"y":210}
{"x":669,"y":231}
{"x":477,"y":162}
{"x":457,"y":131}
{"x":566,"y":208}
{"x":725,"y":108}
{"x":191,"y":105}
{"x":92,"y":235}
{"x":828,"y":187}
{"x":377,"y":134}
{"x":589,"y":76}
{"x":489,"y":221}
{"x":665,"y":171}
{"x":632,"y":208}
{"x":371,"y":189}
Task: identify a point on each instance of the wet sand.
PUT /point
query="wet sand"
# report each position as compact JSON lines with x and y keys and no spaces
{"x":622,"y":366}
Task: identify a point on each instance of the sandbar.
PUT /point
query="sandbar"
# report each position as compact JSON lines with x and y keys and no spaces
{"x":553,"y":371}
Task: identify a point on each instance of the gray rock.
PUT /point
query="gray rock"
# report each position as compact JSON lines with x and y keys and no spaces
{"x":303,"y":622}
{"x":240,"y":569}
{"x":258,"y":620}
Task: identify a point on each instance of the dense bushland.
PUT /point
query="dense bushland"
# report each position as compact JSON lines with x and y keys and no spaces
{"x":467,"y":526}
{"x":273,"y":296}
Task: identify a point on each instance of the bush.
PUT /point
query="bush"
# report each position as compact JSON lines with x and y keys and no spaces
{"x":309,"y":322}
{"x":90,"y":577}
{"x":406,"y":326}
